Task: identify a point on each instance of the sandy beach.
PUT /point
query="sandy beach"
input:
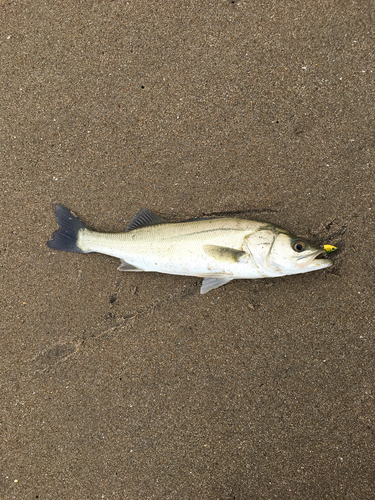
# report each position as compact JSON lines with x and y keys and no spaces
{"x":133,"y":385}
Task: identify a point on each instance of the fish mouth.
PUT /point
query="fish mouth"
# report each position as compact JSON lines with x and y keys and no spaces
{"x":316,"y":258}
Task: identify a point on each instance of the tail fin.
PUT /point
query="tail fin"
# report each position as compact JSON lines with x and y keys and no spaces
{"x":66,"y":238}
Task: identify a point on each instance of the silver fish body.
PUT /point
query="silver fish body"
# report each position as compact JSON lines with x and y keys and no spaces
{"x":217,"y":249}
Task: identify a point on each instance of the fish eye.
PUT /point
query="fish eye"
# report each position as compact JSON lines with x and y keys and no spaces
{"x":299,"y":246}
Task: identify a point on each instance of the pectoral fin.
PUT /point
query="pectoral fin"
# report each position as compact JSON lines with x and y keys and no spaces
{"x":212,"y":283}
{"x":125,"y":266}
{"x":223,"y":254}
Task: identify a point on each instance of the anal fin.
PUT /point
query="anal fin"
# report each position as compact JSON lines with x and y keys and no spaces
{"x":212,"y":283}
{"x":125,"y":266}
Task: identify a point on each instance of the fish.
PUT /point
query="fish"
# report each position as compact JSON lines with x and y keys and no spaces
{"x":216,"y":249}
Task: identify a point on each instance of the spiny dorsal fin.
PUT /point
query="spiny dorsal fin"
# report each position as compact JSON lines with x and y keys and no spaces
{"x":144,"y":218}
{"x":223,"y":254}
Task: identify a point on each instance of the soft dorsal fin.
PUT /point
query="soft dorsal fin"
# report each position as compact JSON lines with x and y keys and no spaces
{"x":144,"y":218}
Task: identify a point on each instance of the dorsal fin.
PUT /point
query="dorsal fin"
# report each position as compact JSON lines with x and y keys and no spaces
{"x":144,"y":218}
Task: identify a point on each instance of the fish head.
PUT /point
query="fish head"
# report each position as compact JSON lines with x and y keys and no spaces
{"x":277,"y":252}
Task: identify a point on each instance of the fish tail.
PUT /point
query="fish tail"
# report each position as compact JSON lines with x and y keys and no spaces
{"x":67,"y":236}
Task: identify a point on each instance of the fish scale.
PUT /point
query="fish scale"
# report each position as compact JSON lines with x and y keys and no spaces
{"x":176,"y":248}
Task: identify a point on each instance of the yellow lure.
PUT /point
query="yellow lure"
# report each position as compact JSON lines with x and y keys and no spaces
{"x":329,"y":248}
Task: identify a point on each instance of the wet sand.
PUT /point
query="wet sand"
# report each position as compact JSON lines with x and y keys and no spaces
{"x":134,"y":386}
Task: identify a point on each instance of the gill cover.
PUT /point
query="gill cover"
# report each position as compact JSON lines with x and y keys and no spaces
{"x":259,"y":245}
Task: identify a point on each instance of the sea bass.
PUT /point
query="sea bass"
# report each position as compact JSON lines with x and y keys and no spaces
{"x":216,"y":249}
